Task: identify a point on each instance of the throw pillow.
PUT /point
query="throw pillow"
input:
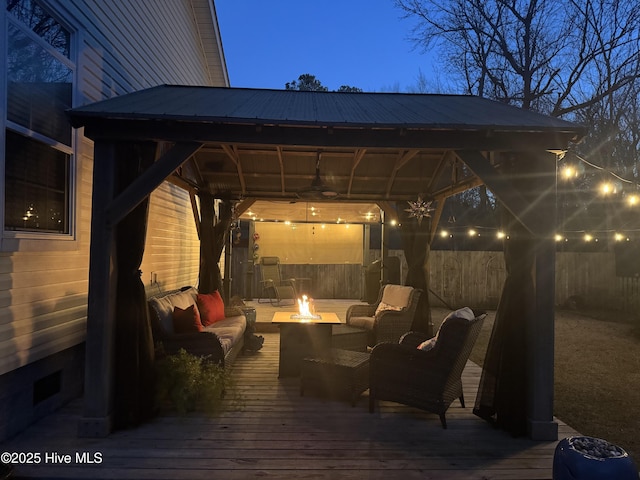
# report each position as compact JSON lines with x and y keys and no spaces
{"x":465,"y":313}
{"x":385,"y":306}
{"x":211,"y":308}
{"x":427,"y":344}
{"x":187,"y":320}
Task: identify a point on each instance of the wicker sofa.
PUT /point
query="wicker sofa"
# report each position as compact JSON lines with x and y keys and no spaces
{"x":425,"y":372}
{"x":221,"y":341}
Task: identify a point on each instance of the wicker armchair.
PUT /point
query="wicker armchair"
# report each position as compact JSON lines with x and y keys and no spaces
{"x":426,"y":379}
{"x":390,"y":317}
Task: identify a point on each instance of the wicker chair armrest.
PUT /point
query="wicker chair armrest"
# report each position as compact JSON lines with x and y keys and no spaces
{"x":204,"y":344}
{"x":360,"y":311}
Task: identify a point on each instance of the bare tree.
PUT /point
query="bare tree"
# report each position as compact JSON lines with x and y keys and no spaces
{"x":554,"y":56}
{"x":576,"y":59}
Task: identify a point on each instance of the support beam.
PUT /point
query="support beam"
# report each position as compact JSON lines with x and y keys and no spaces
{"x":435,"y":217}
{"x":149,"y":181}
{"x":244,"y":205}
{"x":194,"y":209}
{"x":526,"y":210}
{"x":540,"y":333}
{"x":390,"y":212}
{"x":97,"y":419}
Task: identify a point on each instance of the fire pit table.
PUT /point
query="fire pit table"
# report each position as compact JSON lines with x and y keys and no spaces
{"x":301,"y":337}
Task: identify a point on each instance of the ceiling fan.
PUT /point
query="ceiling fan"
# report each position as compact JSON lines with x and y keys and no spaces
{"x":318,"y":189}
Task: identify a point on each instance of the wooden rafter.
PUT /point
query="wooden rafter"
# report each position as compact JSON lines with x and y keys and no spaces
{"x":149,"y":180}
{"x":403,"y":158}
{"x":502,"y":187}
{"x":444,"y":160}
{"x":195,"y":210}
{"x":244,"y":205}
{"x":435,"y":217}
{"x":459,"y":187}
{"x":357,"y":158}
{"x":232,"y":153}
{"x":390,"y":213}
{"x":281,"y":161}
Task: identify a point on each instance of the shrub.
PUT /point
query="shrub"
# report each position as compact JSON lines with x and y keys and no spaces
{"x":187,"y":383}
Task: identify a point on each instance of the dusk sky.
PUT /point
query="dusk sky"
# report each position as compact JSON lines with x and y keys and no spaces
{"x":361,"y":43}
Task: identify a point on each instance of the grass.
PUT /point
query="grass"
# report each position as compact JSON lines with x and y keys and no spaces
{"x":597,"y":373}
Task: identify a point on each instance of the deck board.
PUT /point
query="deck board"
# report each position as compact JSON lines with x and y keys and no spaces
{"x":269,"y":431}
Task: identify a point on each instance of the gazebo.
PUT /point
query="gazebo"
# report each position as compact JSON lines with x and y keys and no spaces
{"x":243,"y":145}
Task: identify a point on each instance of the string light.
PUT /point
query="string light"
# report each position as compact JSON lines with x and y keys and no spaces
{"x":588,"y":237}
{"x":569,"y":171}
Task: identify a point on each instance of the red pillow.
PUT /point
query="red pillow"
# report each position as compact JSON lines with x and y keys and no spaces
{"x":186,"y":321}
{"x":211,"y":307}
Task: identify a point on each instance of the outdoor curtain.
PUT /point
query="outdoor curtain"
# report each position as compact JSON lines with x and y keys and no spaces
{"x":415,"y":237}
{"x":502,"y":394}
{"x":134,"y":349}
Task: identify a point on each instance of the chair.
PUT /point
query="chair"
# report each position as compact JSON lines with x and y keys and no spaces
{"x":273,"y":287}
{"x":390,"y":317}
{"x":425,"y":373}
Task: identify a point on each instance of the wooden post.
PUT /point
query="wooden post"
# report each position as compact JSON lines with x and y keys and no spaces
{"x":248,"y":287}
{"x":366,"y":258}
{"x":542,"y":425}
{"x":99,"y":366}
{"x":228,"y":258}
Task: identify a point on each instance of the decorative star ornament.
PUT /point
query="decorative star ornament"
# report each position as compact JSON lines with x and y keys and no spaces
{"x":419,"y":209}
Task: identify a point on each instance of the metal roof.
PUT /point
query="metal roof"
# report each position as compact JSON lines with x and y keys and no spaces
{"x":258,"y":144}
{"x":264,"y":107}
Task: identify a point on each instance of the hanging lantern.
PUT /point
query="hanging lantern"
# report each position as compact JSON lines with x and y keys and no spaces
{"x":419,"y":209}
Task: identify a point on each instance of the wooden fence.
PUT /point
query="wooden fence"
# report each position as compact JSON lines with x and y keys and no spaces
{"x":464,"y":278}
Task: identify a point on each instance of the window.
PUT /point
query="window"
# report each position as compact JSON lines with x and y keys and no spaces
{"x":38,"y":135}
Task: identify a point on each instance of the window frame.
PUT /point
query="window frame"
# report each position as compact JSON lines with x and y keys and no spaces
{"x":12,"y":240}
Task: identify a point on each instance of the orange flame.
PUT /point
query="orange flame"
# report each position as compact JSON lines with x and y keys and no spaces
{"x":303,"y":307}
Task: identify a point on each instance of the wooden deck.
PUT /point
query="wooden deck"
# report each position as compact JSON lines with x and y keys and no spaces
{"x":269,"y":431}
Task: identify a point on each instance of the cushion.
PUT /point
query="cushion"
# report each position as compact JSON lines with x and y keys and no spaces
{"x":427,"y":344}
{"x":396,"y":295}
{"x":211,"y":308}
{"x":385,"y":306}
{"x":464,"y":313}
{"x":228,"y":331}
{"x":164,"y":304}
{"x":186,"y":320}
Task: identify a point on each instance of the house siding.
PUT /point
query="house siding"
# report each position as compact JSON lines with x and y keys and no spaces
{"x":121,"y":47}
